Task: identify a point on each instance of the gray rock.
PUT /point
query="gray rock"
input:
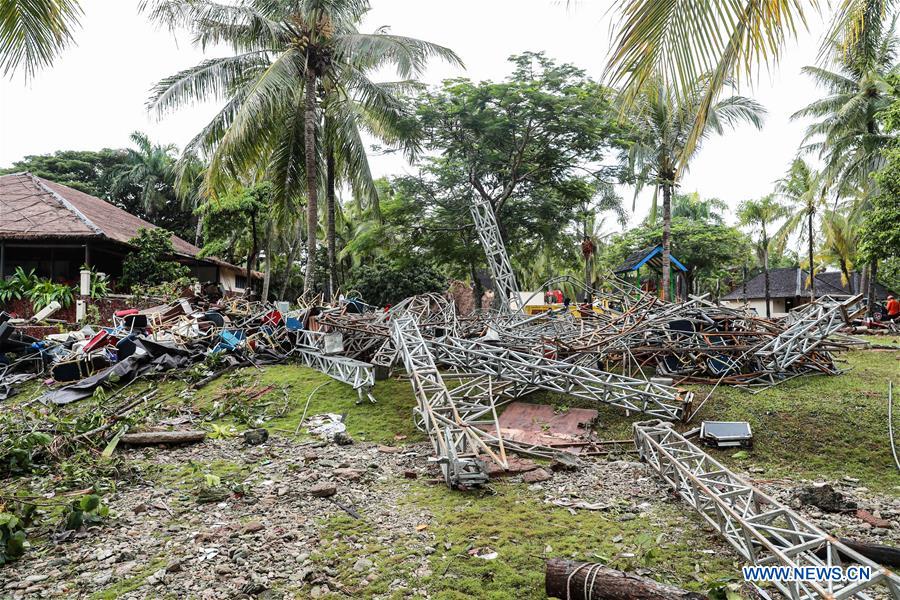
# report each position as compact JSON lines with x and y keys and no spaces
{"x":823,"y":497}
{"x":255,"y":437}
{"x":323,"y":490}
{"x":363,"y":564}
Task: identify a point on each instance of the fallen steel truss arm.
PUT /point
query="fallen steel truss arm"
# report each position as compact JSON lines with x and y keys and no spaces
{"x":456,"y":442}
{"x":811,"y":326}
{"x":627,"y":393}
{"x":763,"y":531}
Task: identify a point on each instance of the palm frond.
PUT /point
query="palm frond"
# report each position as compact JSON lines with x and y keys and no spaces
{"x":34,"y":32}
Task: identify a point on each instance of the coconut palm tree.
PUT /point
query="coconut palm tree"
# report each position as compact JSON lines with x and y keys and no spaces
{"x":150,"y":168}
{"x":726,"y":40}
{"x":34,"y":32}
{"x":805,"y":190}
{"x":289,"y":56}
{"x":847,"y":133}
{"x":693,"y":207}
{"x":760,"y":215}
{"x":841,"y":238}
{"x":660,"y":153}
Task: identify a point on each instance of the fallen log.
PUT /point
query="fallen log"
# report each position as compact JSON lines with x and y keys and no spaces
{"x":148,"y":438}
{"x":570,"y":580}
{"x":883,"y":555}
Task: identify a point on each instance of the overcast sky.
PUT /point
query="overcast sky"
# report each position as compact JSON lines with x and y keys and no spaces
{"x":94,"y":95}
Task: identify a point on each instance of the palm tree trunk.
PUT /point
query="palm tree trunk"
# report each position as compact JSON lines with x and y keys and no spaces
{"x":870,"y":290}
{"x":292,"y":254}
{"x":765,"y":250}
{"x":812,"y":268}
{"x":329,"y":209}
{"x":199,"y":231}
{"x":267,"y":273}
{"x":251,"y":257}
{"x":312,"y":184}
{"x":666,"y":239}
{"x":744,"y":293}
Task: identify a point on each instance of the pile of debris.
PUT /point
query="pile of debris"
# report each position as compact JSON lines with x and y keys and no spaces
{"x":177,"y":335}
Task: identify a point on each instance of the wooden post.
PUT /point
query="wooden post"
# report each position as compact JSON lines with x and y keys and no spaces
{"x":570,"y":580}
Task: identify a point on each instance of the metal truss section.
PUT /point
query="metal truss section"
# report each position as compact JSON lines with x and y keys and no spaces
{"x":498,"y":259}
{"x":809,"y":327}
{"x":310,"y":349}
{"x":571,"y":378}
{"x":764,"y":532}
{"x":456,"y":443}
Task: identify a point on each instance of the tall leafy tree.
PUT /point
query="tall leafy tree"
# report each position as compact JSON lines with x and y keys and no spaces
{"x":662,"y":149}
{"x":34,"y":32}
{"x":761,"y":215}
{"x":288,"y":56}
{"x":89,"y":171}
{"x":804,"y":190}
{"x":533,"y":146}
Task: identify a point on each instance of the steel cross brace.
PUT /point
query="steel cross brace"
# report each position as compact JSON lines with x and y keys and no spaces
{"x":764,"y":532}
{"x":571,"y":378}
{"x":498,"y":259}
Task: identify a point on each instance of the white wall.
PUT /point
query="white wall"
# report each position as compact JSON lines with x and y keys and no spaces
{"x":228,"y":279}
{"x":777,"y":306}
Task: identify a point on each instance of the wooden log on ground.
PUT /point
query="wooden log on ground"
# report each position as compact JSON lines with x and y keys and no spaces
{"x":566,"y":579}
{"x":148,"y":438}
{"x":887,"y":556}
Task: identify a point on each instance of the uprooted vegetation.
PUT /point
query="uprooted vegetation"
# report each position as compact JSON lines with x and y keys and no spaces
{"x":243,"y":515}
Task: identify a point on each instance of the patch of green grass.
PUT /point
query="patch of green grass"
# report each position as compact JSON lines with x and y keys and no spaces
{"x":347,"y":540}
{"x":184,"y":476}
{"x":818,"y":426}
{"x":524,"y":532}
{"x":129,"y":584}
{"x":380,"y":422}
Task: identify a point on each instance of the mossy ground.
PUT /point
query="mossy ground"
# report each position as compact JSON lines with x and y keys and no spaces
{"x":513,"y":522}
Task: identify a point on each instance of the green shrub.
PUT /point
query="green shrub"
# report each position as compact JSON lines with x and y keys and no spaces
{"x":150,"y":264}
{"x":385,"y":283}
{"x":18,"y":285}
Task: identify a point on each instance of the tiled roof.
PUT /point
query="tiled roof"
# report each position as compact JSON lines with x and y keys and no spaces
{"x":790,"y":282}
{"x":32,"y":207}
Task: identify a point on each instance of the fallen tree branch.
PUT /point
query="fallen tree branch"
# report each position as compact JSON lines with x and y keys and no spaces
{"x":148,"y":438}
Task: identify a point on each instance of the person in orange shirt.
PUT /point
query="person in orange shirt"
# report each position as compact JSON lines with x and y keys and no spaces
{"x":893,"y":308}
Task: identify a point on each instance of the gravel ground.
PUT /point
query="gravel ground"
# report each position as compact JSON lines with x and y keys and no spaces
{"x":160,"y":542}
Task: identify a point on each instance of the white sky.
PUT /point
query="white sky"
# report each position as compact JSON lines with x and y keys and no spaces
{"x":94,"y":95}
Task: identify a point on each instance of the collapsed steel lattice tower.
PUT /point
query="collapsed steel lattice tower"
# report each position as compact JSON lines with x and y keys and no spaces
{"x":456,"y":443}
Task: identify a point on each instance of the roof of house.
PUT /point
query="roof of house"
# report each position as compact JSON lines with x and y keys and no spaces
{"x":34,"y":208}
{"x":647,"y":256}
{"x":791,"y":282}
